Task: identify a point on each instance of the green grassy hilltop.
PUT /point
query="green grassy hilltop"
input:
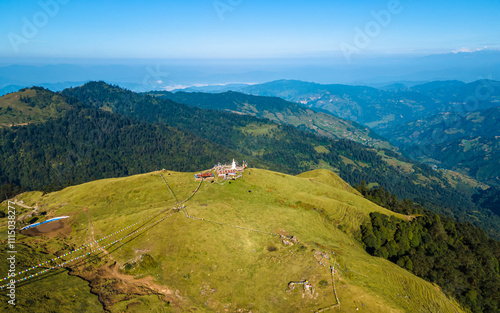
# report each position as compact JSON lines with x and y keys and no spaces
{"x":212,"y":261}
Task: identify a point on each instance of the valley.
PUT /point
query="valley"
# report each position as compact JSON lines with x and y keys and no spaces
{"x":466,"y":142}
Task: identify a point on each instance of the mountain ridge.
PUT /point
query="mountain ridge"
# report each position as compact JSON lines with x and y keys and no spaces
{"x":276,"y":204}
{"x":276,"y":109}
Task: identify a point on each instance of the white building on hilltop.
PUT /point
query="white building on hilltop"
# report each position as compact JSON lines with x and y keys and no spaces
{"x":232,"y":170}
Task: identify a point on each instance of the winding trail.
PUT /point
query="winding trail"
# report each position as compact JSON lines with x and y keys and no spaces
{"x":95,"y":242}
{"x":169,"y":189}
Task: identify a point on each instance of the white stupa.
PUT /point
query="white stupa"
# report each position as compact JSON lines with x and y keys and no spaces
{"x":233,"y":166}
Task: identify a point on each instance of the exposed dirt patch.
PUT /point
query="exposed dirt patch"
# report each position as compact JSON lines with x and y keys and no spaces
{"x":111,"y":286}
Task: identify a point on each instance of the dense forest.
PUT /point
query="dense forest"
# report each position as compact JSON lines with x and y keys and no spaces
{"x":89,"y":144}
{"x":457,"y":256}
{"x":489,"y":199}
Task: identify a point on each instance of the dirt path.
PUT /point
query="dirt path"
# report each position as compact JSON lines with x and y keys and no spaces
{"x":21,"y":204}
{"x":97,"y":246}
{"x":172,"y":296}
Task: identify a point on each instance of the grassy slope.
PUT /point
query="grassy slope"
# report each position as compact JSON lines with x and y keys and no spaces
{"x":246,"y":134}
{"x":45,"y":105}
{"x":216,"y":267}
{"x":280,"y":148}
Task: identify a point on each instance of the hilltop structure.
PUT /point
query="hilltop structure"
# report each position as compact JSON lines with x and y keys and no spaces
{"x":225,"y":171}
{"x":230,"y":171}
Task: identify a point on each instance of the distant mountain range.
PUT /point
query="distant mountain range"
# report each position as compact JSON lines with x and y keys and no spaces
{"x":447,"y":126}
{"x":379,"y":108}
{"x":395,"y":112}
{"x":145,"y":75}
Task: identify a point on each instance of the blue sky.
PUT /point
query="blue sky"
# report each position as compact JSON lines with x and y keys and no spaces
{"x":242,"y":28}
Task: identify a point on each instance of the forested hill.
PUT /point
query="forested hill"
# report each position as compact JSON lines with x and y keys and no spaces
{"x":134,"y":133}
{"x":457,"y":256}
{"x":467,"y":142}
{"x":81,"y":144}
{"x":276,"y":109}
{"x":292,"y":151}
{"x":32,"y":105}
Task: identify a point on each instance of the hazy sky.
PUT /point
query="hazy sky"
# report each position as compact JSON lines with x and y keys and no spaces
{"x":243,"y":28}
